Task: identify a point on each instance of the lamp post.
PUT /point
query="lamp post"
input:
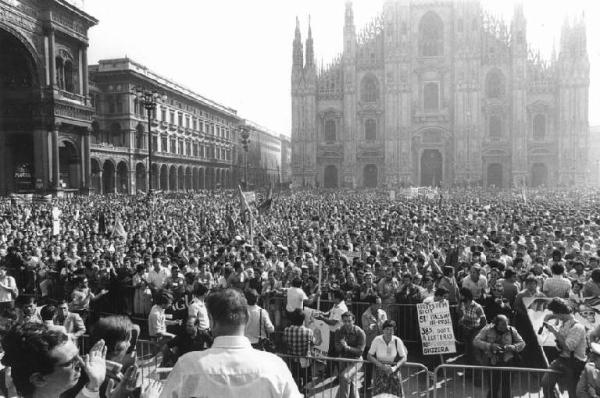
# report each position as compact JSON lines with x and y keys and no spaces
{"x":149,"y":99}
{"x":245,"y":140}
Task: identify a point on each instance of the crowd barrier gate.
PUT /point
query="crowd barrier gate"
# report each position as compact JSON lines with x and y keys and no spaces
{"x":464,"y":381}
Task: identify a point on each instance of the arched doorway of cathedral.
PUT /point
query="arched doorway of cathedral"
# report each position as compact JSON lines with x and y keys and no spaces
{"x":108,"y":177}
{"x":330,"y":177}
{"x":122,"y":178}
{"x":19,"y":101}
{"x":494,"y":175}
{"x":96,"y":180}
{"x":370,"y":176}
{"x":69,"y":165}
{"x":164,"y":178}
{"x":173,"y":179}
{"x":140,"y":177}
{"x":432,"y":169}
{"x":539,"y":174}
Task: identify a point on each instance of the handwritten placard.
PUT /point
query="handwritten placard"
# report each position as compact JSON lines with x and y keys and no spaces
{"x":435,"y":325}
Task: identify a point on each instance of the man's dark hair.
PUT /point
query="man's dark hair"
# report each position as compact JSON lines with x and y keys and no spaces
{"x":251,"y":296}
{"x":466,"y":294}
{"x":348,"y":314}
{"x":114,"y":330}
{"x":200,"y":290}
{"x":27,"y":350}
{"x":372,"y":298}
{"x":163,"y":297}
{"x":559,"y":306}
{"x":228,"y":306}
{"x":297,"y":317}
{"x":338,"y":294}
{"x":557,"y":269}
{"x":440,"y":292}
{"x":296,"y":282}
{"x":530,"y":279}
{"x":47,"y":312}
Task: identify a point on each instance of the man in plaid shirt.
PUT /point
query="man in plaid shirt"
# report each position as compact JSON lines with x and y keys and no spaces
{"x":472,"y":319}
{"x":298,"y":339}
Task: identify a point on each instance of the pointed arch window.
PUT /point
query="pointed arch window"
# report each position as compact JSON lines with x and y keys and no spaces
{"x":329,"y":130}
{"x":431,"y":35}
{"x":369,"y":89}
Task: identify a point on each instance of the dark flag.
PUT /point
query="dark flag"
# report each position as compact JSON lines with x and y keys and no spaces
{"x":266,"y":204}
{"x":101,"y":224}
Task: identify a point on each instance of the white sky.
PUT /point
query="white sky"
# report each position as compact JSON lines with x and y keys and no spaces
{"x":239,"y":52}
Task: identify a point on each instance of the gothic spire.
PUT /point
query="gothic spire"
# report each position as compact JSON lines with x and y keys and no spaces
{"x":310,"y":52}
{"x":297,"y":55}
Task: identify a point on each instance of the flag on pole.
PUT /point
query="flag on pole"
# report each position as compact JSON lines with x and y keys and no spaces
{"x":266,"y":204}
{"x":243,"y":201}
{"x":524,"y":194}
{"x":119,"y":230}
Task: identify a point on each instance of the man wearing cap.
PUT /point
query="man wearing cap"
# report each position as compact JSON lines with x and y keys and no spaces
{"x":589,"y":381}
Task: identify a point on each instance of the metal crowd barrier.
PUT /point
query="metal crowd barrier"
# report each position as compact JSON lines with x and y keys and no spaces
{"x":405,"y":316}
{"x":453,"y":381}
{"x":323,"y":376}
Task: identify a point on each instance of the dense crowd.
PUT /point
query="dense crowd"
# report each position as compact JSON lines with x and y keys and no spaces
{"x":158,"y":259}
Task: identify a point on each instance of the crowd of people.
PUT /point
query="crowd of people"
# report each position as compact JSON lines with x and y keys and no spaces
{"x":159,"y":259}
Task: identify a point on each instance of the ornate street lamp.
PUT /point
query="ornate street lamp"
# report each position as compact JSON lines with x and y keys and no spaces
{"x":245,"y":140}
{"x":149,"y":99}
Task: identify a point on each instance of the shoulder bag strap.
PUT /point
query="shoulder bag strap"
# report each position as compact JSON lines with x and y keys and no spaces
{"x":260,"y":323}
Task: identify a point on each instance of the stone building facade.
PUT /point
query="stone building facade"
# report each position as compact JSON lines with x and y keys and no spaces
{"x":46,"y":111}
{"x":440,"y":93}
{"x":194,"y":138}
{"x":67,"y":127}
{"x":261,"y":164}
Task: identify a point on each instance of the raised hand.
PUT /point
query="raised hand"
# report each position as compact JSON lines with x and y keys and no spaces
{"x":152,"y":389}
{"x":125,"y":387}
{"x":94,"y":365}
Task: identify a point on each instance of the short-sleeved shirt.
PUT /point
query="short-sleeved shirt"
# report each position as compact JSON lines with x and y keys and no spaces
{"x":198,"y":309}
{"x":387,"y":352}
{"x":557,"y":286}
{"x":336,"y":313}
{"x":157,"y":321}
{"x":477,"y":288}
{"x":295,"y":299}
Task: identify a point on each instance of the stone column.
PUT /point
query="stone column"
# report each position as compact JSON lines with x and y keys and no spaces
{"x":100,"y":182}
{"x":52,"y":56}
{"x":55,"y":159}
{"x":86,"y":167}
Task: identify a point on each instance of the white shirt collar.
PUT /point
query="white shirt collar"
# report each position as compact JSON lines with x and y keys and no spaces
{"x":231,"y":342}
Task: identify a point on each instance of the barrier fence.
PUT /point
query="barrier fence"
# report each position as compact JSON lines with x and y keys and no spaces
{"x":479,"y":381}
{"x":324,"y":377}
{"x":405,"y":316}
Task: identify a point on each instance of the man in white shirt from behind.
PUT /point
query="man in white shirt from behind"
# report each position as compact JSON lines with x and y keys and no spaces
{"x":231,"y":367}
